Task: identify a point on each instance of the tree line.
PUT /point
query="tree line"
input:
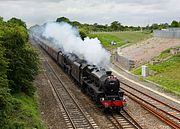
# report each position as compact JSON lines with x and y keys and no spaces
{"x":116,"y":26}
{"x":18,"y":66}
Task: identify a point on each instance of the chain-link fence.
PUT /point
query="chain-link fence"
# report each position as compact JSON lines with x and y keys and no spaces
{"x":167,"y":33}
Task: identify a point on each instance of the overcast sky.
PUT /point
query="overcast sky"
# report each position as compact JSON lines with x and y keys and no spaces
{"x":127,"y":12}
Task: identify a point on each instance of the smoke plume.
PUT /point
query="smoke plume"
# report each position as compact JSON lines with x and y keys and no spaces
{"x":66,"y":37}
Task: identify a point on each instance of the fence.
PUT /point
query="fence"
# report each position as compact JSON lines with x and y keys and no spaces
{"x":168,"y":33}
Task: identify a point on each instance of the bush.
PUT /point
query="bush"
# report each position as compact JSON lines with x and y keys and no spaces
{"x":18,"y":66}
{"x":23,"y":60}
{"x":82,"y":33}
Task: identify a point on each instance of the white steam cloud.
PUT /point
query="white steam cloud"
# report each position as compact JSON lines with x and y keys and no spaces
{"x":66,"y":37}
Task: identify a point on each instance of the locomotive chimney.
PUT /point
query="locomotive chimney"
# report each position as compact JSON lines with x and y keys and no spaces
{"x":108,"y":73}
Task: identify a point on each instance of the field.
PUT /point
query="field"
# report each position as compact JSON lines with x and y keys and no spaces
{"x":165,"y":73}
{"x":120,"y":38}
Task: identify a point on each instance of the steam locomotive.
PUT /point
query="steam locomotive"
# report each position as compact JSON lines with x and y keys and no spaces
{"x":99,"y":84}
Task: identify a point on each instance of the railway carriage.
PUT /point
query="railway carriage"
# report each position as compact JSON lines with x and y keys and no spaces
{"x":60,"y":59}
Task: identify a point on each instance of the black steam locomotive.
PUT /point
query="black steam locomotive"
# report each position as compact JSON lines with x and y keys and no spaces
{"x":99,"y":84}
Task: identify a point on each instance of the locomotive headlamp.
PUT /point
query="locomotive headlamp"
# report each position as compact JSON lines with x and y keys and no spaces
{"x":102,"y":99}
{"x":124,"y":98}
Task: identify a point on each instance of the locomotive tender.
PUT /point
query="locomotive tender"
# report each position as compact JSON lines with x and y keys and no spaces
{"x":99,"y":84}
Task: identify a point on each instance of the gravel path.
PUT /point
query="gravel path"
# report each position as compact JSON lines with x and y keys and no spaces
{"x":146,"y":50}
{"x":145,"y":118}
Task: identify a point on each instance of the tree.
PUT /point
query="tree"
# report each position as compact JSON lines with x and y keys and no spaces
{"x":18,"y":65}
{"x":76,"y":23}
{"x":63,"y":19}
{"x":3,"y":68}
{"x":1,"y":19}
{"x":83,"y":33}
{"x":116,"y":25}
{"x":23,"y":60}
{"x":17,"y":21}
{"x":174,"y":24}
{"x":5,"y":98}
{"x":154,"y":26}
{"x":163,"y":26}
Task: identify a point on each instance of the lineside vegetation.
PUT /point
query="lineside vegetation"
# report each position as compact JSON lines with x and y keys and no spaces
{"x":119,"y":38}
{"x":18,"y":67}
{"x":166,"y":72}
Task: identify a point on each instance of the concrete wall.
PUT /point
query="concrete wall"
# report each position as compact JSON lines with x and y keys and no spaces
{"x":168,"y":33}
{"x":124,"y":62}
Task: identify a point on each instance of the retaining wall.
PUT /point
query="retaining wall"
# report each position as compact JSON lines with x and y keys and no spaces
{"x":124,"y":62}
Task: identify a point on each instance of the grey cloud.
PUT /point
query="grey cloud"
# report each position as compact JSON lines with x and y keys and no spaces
{"x":128,"y":12}
{"x":141,"y":2}
{"x":33,"y":0}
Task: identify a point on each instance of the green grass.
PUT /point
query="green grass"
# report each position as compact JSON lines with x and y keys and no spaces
{"x":27,"y":113}
{"x":167,"y":73}
{"x":120,"y":38}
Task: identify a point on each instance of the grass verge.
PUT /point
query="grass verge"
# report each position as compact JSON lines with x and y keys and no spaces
{"x":166,"y":73}
{"x":121,"y":38}
{"x":26,"y":115}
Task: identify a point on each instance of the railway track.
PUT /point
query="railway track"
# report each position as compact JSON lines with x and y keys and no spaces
{"x":167,"y":113}
{"x":123,"y":120}
{"x":74,"y":114}
{"x":75,"y":117}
